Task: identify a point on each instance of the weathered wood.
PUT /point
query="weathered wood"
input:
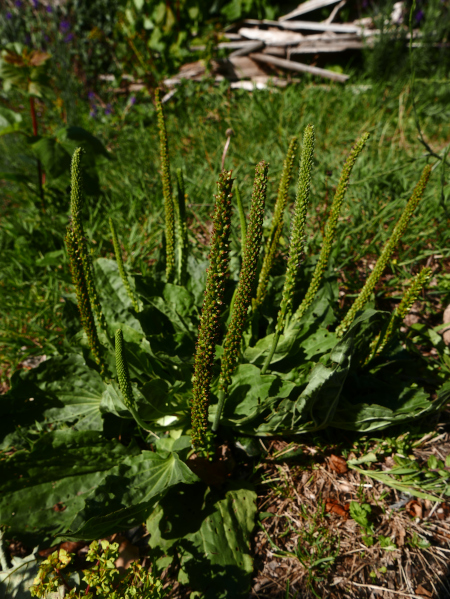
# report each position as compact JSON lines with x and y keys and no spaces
{"x":298,"y":66}
{"x":331,"y":46}
{"x":306,"y":7}
{"x":335,"y":11}
{"x":272,"y":38}
{"x":308,"y":26}
{"x":244,"y":67}
{"x":247,"y":49}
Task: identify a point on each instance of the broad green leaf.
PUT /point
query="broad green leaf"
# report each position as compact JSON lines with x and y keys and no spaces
{"x":10,"y":121}
{"x":54,"y":158}
{"x":76,"y":137}
{"x":208,"y":524}
{"x":126,"y":497}
{"x":43,"y":489}
{"x":63,"y":389}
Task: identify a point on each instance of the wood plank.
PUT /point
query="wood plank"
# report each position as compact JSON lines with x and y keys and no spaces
{"x":308,"y":26}
{"x":306,"y":7}
{"x":298,"y":66}
{"x":332,"y":46}
{"x":248,"y":48}
{"x":272,"y":38}
{"x":244,"y":67}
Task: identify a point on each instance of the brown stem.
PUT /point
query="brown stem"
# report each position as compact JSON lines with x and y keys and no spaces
{"x":39,"y":166}
{"x":63,"y":580}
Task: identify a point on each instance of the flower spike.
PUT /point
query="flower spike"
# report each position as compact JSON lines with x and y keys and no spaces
{"x":330,"y":229}
{"x":167,"y":190}
{"x":244,"y":288}
{"x":83,"y":300}
{"x":277,"y":222}
{"x":122,"y":272}
{"x":297,"y":245}
{"x":386,"y":252}
{"x":76,"y":204}
{"x":211,"y":310}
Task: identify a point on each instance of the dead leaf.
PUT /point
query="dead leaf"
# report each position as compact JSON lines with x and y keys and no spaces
{"x":334,"y":507}
{"x":423,"y":592}
{"x":72,"y":546}
{"x":414,"y":508}
{"x":338,"y":464}
{"x":38,"y":58}
{"x":128,"y":553}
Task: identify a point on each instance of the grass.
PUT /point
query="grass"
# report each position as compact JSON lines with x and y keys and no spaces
{"x":34,"y":269}
{"x":34,"y":278}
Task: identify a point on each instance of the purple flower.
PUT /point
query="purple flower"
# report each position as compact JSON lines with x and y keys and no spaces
{"x":93,"y":112}
{"x":64,"y":26}
{"x":108,"y":109}
{"x":419,"y":16}
{"x":91,"y":96}
{"x":35,"y":3}
{"x":49,"y":9}
{"x":8,"y":16}
{"x":133,"y":100}
{"x":18,"y":4}
{"x":68,"y":38}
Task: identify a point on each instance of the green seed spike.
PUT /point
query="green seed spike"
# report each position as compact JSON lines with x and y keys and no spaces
{"x":297,"y":245}
{"x":76,"y":205}
{"x":277,"y":222}
{"x":386,"y":252}
{"x":83,"y":300}
{"x":211,"y":310}
{"x":167,"y":191}
{"x":405,"y":305}
{"x":241,"y":217}
{"x":122,"y":272}
{"x":123,"y":377}
{"x":181,"y":229}
{"x":330,"y":229}
{"x":245,"y":285}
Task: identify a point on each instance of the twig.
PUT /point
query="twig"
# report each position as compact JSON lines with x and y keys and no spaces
{"x":377,"y":588}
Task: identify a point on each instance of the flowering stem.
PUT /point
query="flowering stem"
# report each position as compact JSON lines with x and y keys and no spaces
{"x":76,"y":204}
{"x":241,"y":217}
{"x":244,"y":288}
{"x":122,"y":272}
{"x":297,"y":245}
{"x":331,"y":226}
{"x":181,"y":229}
{"x":211,"y":310}
{"x":386,"y":252}
{"x":167,"y":191}
{"x":39,"y":166}
{"x":277,"y":222}
{"x":405,"y":305}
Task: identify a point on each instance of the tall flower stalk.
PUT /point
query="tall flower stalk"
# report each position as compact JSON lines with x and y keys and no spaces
{"x":181,"y":229}
{"x":331,"y":226}
{"x":386,"y":252}
{"x":277,"y":222}
{"x":119,"y":261}
{"x":167,"y":190}
{"x":211,"y":310}
{"x":83,"y":300}
{"x":405,"y":305}
{"x":79,"y":238}
{"x":243,"y":295}
{"x":297,"y":244}
{"x":242,"y":218}
{"x":124,"y":380}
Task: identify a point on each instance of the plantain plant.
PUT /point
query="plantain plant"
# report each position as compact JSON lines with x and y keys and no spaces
{"x":125,"y":429}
